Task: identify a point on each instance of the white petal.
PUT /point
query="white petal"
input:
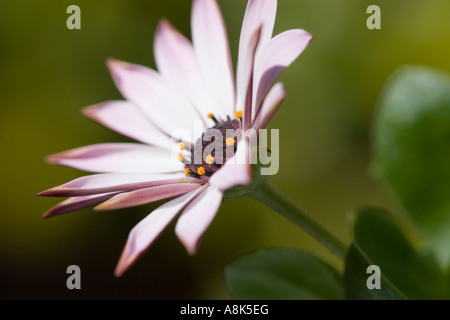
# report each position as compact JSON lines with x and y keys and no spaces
{"x":176,"y":60}
{"x":77,"y":203}
{"x":146,"y":231}
{"x":125,"y":118}
{"x":236,"y":171}
{"x":159,"y":101}
{"x":146,"y":195}
{"x":112,"y":182}
{"x":259,"y":14}
{"x":197,"y":217}
{"x":270,"y":106}
{"x":246,"y":86}
{"x":213,"y":54}
{"x":279,"y":53}
{"x":118,"y":157}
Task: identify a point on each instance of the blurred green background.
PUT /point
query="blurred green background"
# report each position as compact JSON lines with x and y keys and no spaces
{"x":48,"y":73}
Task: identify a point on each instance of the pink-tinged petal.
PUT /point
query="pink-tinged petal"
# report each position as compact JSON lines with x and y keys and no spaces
{"x":146,"y":195}
{"x":210,"y":40}
{"x":113,"y":182}
{"x":279,"y":53}
{"x":176,"y":60}
{"x":166,"y":107}
{"x":248,"y":78}
{"x":118,"y":157}
{"x":236,"y":171}
{"x":197,"y":217}
{"x":270,"y":106}
{"x":125,"y":118}
{"x":77,"y":203}
{"x":146,"y":231}
{"x":259,"y":14}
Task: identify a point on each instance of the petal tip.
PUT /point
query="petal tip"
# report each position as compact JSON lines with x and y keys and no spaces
{"x":104,"y":206}
{"x":125,"y":261}
{"x":54,"y":192}
{"x":190,"y":248}
{"x":166,"y":32}
{"x":306,"y":34}
{"x":114,"y":65}
{"x":121,"y":265}
{"x":119,"y":271}
{"x":192,"y":252}
{"x":112,"y":62}
{"x":163,"y":24}
{"x":48,"y":214}
{"x":89,"y":111}
{"x":52,"y":159}
{"x":44,"y":193}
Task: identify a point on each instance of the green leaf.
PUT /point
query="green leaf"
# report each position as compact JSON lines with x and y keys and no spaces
{"x":356,"y":276}
{"x":380,"y":237}
{"x":287,"y":274}
{"x":412,"y":149}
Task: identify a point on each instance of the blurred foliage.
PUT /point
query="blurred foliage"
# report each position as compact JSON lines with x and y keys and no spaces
{"x":48,"y":73}
{"x":382,"y":239}
{"x":358,"y":275}
{"x":282,"y":274}
{"x":410,"y":140}
{"x":411,"y":149}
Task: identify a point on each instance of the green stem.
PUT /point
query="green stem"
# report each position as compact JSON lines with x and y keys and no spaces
{"x":267,"y":193}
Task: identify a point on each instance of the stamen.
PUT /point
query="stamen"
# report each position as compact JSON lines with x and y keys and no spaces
{"x":211,"y":116}
{"x":187,"y":171}
{"x":209,"y":159}
{"x":182,"y":145}
{"x":230,"y":141}
{"x":239,"y":114}
{"x":180,"y":157}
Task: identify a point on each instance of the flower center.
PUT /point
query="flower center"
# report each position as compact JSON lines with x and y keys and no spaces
{"x":216,"y":145}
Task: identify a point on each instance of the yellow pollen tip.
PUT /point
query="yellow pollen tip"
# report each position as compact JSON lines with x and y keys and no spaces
{"x":201,"y":171}
{"x":187,"y":171}
{"x":182,"y":145}
{"x":230,"y":141}
{"x":239,"y":114}
{"x":210,"y":115}
{"x":209,"y":159}
{"x":180,"y":157}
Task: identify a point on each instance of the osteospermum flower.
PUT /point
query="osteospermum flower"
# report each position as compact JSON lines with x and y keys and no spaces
{"x":194,"y":84}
